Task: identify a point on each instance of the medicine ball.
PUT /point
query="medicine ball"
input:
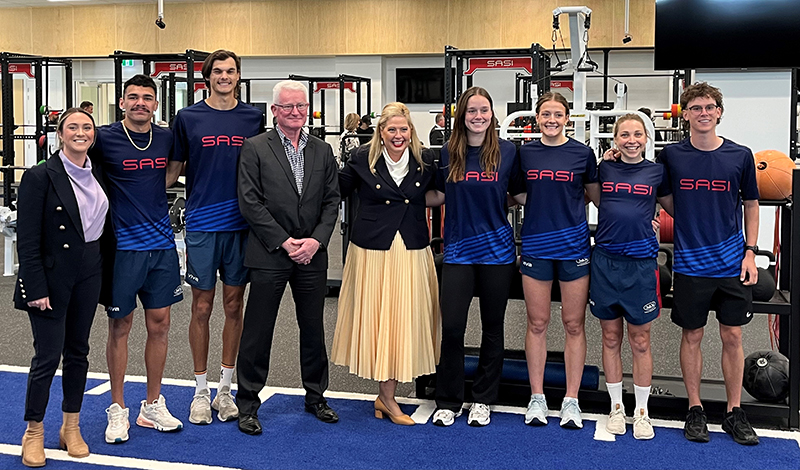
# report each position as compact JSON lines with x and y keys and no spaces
{"x":766,"y":376}
{"x":764,"y":289}
{"x":774,"y":174}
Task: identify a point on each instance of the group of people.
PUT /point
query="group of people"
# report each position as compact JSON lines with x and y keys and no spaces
{"x":261,"y":208}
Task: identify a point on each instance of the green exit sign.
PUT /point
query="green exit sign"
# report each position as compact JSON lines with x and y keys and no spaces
{"x":127,"y":62}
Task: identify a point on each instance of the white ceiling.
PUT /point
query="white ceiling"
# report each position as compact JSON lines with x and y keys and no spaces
{"x":45,"y":3}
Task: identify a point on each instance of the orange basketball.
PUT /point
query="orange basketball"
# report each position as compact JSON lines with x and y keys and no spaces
{"x":774,"y":174}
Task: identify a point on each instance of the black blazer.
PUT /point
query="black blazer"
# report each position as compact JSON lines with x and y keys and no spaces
{"x":385,"y":208}
{"x":50,"y":241}
{"x":269,"y":201}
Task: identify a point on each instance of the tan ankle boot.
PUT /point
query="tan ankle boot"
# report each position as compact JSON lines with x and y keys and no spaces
{"x":70,"y":437}
{"x":33,"y":445}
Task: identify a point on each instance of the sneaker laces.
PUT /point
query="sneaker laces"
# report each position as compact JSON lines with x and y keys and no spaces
{"x":480,"y":411}
{"x":571,"y":407}
{"x":117,"y":419}
{"x":225,"y":399}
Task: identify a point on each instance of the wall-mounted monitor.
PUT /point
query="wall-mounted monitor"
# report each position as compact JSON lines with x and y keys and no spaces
{"x":420,"y":85}
{"x":727,"y":34}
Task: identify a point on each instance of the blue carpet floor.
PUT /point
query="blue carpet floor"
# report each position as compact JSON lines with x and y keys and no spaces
{"x":295,"y":439}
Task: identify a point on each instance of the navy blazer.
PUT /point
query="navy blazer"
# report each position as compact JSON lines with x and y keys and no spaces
{"x":384,"y":207}
{"x":50,"y":240}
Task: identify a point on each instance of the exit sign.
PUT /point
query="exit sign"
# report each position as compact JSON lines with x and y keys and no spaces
{"x":127,"y":62}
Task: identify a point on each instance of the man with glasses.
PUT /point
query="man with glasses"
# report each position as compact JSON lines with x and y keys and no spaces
{"x":289,"y":194}
{"x":207,"y":139}
{"x":710,"y":180}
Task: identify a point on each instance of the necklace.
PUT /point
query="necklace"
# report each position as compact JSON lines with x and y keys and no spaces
{"x":134,"y":143}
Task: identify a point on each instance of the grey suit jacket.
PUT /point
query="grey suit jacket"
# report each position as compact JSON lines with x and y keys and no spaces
{"x":269,"y":200}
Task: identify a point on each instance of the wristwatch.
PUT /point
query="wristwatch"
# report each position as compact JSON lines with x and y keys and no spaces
{"x":753,"y":248}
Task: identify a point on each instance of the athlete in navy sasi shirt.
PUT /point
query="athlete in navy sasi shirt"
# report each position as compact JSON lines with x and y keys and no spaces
{"x":209,"y":141}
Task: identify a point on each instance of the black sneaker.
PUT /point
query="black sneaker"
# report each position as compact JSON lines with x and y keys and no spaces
{"x":696,"y":427}
{"x":736,"y":424}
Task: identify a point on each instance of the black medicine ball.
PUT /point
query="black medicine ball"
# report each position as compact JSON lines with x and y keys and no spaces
{"x":766,"y":376}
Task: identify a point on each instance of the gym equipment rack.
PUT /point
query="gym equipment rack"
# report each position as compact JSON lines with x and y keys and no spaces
{"x":341,"y":80}
{"x":38,"y":67}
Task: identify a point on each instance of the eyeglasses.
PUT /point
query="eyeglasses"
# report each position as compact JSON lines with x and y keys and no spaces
{"x":697,"y":109}
{"x":288,"y":107}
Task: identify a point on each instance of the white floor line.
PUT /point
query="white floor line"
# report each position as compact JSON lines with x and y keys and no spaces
{"x":268,"y":392}
{"x":423,"y":412}
{"x":104,"y":387}
{"x":600,"y":433}
{"x":113,"y":461}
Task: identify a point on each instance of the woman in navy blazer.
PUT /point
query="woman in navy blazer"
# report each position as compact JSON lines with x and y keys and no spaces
{"x":62,"y":211}
{"x":388,"y":324}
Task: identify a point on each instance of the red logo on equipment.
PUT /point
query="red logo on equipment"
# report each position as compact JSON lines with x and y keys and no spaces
{"x":688,"y":184}
{"x":640,"y":189}
{"x":219,"y":140}
{"x":144,"y":164}
{"x":560,"y":175}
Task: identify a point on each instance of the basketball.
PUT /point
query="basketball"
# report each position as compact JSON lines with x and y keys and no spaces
{"x":774,"y":174}
{"x":766,"y":376}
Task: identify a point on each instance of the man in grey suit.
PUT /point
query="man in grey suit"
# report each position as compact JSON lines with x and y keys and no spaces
{"x":289,"y":194}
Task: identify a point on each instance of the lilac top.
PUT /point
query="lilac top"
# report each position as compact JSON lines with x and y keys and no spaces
{"x":92,"y":201}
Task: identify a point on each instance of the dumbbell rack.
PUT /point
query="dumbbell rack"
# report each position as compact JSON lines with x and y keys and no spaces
{"x":784,"y":415}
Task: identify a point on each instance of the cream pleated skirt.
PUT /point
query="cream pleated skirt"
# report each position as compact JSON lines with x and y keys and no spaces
{"x":388,"y":325}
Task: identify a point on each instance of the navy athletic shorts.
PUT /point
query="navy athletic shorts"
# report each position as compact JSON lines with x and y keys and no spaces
{"x":552,"y":269}
{"x":152,"y":275}
{"x":624,"y":286}
{"x":207,"y":252}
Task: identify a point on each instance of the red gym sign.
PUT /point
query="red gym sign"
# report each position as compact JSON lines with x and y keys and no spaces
{"x":523,"y":63}
{"x":199,"y":86}
{"x":562,"y":84}
{"x":333,"y":86}
{"x":173,"y":67}
{"x":21,"y":68}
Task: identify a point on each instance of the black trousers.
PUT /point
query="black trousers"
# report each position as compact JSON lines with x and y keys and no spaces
{"x":64,"y":332}
{"x":492,"y":284}
{"x":266,"y":290}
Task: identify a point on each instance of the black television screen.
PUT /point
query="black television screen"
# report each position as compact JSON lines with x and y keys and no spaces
{"x":420,"y":85}
{"x":726,"y":34}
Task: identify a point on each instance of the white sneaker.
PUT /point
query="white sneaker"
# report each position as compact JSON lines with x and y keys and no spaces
{"x":200,"y":409}
{"x":571,"y":414}
{"x":536,"y":414}
{"x":642,"y":428}
{"x":224,"y":404}
{"x":444,"y":417}
{"x":156,"y":415}
{"x":479,"y":415}
{"x":616,"y":420}
{"x":118,"y":424}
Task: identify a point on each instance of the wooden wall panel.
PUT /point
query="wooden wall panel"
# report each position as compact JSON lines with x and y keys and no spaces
{"x":323,"y":27}
{"x":642,"y":23}
{"x":54,"y":30}
{"x":136,"y":29}
{"x":274,"y":29}
{"x":227,"y":26}
{"x":372,"y":27}
{"x":526,"y":22}
{"x":95,"y":32}
{"x":185,"y":28}
{"x":16,"y":32}
{"x":422,"y":26}
{"x":475,"y":24}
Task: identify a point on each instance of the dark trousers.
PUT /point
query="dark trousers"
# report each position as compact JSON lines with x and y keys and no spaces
{"x":64,"y":331}
{"x":266,"y":290}
{"x":491,"y":283}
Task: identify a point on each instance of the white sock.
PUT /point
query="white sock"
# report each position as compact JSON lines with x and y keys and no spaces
{"x":642,"y":394}
{"x":200,"y":382}
{"x":225,"y":375}
{"x":615,"y":392}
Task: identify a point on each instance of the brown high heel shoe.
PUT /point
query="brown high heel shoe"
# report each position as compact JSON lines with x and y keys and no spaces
{"x":70,"y":439}
{"x":381,"y":410}
{"x":33,"y":445}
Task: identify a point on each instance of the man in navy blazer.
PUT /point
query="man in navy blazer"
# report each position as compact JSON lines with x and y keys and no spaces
{"x":289,"y":194}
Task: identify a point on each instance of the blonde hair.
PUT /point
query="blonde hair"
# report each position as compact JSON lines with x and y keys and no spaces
{"x":629,"y":117}
{"x":351,"y":121}
{"x":389,"y":111}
